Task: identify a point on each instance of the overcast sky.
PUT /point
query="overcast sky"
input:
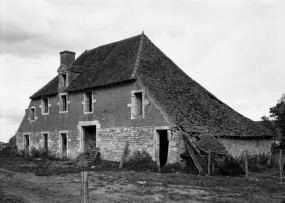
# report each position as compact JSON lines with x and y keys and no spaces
{"x":235,"y":49}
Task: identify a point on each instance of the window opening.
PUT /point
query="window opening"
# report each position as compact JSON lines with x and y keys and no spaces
{"x":32,"y":111}
{"x":45,"y":105}
{"x":63,"y":102}
{"x":64,"y":80}
{"x":88,"y":102}
{"x":138,"y":104}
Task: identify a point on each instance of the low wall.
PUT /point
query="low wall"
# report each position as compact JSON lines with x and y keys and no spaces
{"x":254,"y":146}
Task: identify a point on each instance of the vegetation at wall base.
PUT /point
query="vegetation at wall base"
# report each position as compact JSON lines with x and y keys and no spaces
{"x":257,"y":162}
{"x":141,"y":161}
{"x":171,"y":168}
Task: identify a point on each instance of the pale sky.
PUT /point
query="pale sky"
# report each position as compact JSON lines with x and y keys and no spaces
{"x":235,"y":49}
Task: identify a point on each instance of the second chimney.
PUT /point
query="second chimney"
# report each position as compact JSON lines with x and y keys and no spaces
{"x":67,"y":57}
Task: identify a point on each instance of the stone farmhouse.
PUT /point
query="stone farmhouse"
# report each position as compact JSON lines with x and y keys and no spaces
{"x":130,"y":91}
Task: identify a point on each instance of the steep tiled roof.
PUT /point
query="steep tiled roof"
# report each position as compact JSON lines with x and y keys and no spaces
{"x":107,"y":64}
{"x":49,"y":89}
{"x":183,"y":99}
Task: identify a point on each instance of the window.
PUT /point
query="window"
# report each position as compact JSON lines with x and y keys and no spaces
{"x":64,"y":80}
{"x":32,"y":113}
{"x":137,"y":105}
{"x":88,"y":102}
{"x":45,"y":106}
{"x":63,"y":103}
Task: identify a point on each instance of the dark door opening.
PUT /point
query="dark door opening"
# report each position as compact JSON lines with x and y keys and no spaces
{"x":89,"y":138}
{"x":45,"y":143}
{"x":64,"y":145}
{"x":27,"y":145}
{"x":163,"y":147}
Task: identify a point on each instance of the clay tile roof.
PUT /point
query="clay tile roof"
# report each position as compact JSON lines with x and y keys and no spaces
{"x":107,"y":64}
{"x":181,"y":97}
{"x":50,"y":89}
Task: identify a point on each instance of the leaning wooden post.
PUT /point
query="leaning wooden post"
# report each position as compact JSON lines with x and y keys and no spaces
{"x":84,"y":187}
{"x":246,"y":165}
{"x":209,"y":162}
{"x":123,"y":155}
{"x":280,"y":164}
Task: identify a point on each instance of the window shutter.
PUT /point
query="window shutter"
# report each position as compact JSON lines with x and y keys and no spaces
{"x":87,"y":101}
{"x":60,"y":103}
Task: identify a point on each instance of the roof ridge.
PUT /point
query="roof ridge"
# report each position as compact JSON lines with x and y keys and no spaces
{"x":139,"y":54}
{"x":111,"y":43}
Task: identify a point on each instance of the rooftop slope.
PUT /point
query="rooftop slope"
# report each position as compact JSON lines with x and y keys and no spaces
{"x":49,"y":89}
{"x":107,"y":64}
{"x":184,"y":100}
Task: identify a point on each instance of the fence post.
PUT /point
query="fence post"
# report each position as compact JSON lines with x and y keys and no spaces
{"x":209,"y":162}
{"x":84,"y":187}
{"x":280,"y":165}
{"x":246,"y":165}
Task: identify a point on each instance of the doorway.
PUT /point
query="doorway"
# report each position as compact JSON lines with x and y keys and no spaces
{"x":89,"y":138}
{"x":163,"y":146}
{"x":27,"y":145}
{"x":45,"y":144}
{"x":63,"y":145}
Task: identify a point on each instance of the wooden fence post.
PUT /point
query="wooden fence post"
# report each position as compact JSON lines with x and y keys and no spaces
{"x":280,"y":165}
{"x":246,"y":165}
{"x":123,"y":155}
{"x":209,"y":162}
{"x":84,"y":187}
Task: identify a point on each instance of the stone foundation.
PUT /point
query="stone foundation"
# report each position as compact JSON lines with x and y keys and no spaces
{"x":111,"y":142}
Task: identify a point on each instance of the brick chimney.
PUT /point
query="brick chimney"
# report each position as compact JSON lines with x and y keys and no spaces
{"x":67,"y":57}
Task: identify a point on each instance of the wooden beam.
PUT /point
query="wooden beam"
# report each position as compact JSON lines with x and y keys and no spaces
{"x":123,"y":155}
{"x":192,"y":154}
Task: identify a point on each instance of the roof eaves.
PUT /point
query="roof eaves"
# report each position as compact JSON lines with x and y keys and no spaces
{"x":100,"y":86}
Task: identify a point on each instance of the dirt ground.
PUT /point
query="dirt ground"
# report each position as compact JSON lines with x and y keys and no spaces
{"x":27,"y":181}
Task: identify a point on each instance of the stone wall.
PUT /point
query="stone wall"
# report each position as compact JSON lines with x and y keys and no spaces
{"x":254,"y":146}
{"x":111,"y":142}
{"x":112,"y":115}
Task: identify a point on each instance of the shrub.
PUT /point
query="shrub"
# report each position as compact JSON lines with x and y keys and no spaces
{"x":171,"y":168}
{"x":37,"y":153}
{"x":257,"y":162}
{"x":141,"y":161}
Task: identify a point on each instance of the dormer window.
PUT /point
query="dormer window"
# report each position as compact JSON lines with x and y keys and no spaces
{"x":64,"y":80}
